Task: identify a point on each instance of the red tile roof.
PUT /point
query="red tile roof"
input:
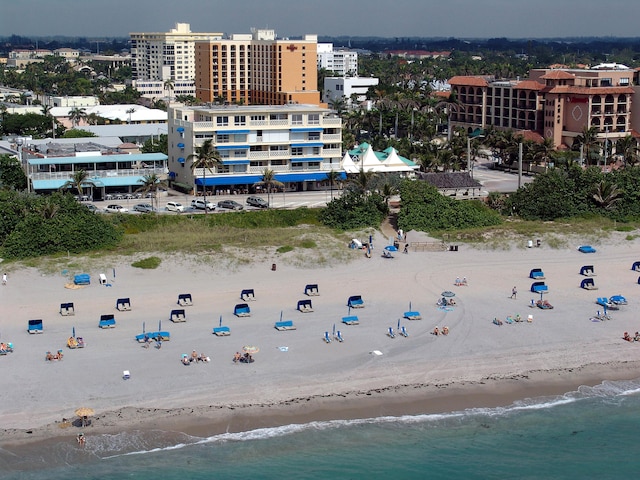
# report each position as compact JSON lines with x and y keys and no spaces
{"x":529,"y":85}
{"x":590,"y":90}
{"x":531,"y":135}
{"x":469,"y":81}
{"x":558,"y":75}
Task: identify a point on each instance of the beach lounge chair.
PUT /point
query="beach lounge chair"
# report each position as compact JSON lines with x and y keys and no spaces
{"x":311,"y":290}
{"x":636,"y":266}
{"x":544,"y":305}
{"x":123,"y":304}
{"x":126,"y":374}
{"x":587,"y":271}
{"x":355,"y":301}
{"x":391,"y":333}
{"x":403,"y":332}
{"x":103,"y":279}
{"x":497,"y":321}
{"x":412,"y":315}
{"x":536,"y":274}
{"x":35,"y":326}
{"x":338,"y":336}
{"x":326,"y":337}
{"x":605,"y":302}
{"x":178,"y":315}
{"x":82,"y":279}
{"x":247,"y":295}
{"x":305,"y":306}
{"x":588,"y":284}
{"x":242,"y":310}
{"x":351,"y":320}
{"x":221,"y":331}
{"x":284,"y":325}
{"x":509,"y":320}
{"x":67,"y":309}
{"x":618,"y":300}
{"x":107,"y":321}
{"x":185,"y":300}
{"x":539,"y":287}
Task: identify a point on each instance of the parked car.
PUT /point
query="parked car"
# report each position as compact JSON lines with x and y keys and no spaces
{"x":115,"y":208}
{"x":143,"y":207}
{"x":201,"y":204}
{"x":175,"y":207}
{"x":257,"y":202}
{"x":230,"y":204}
{"x":91,"y":207}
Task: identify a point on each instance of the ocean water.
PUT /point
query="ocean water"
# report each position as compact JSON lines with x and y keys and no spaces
{"x":589,"y":433}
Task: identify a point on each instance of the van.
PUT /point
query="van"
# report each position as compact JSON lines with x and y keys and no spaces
{"x":175,"y":207}
{"x":257,"y":202}
{"x":201,"y":204}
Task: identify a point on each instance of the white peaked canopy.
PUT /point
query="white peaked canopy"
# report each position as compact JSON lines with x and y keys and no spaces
{"x":347,"y":164}
{"x":369,"y":162}
{"x":393,"y":163}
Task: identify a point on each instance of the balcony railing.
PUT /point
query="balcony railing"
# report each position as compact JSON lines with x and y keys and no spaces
{"x":97,"y":175}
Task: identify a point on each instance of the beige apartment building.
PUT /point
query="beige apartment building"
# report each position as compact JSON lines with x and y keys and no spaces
{"x":257,"y":68}
{"x":555,"y":103}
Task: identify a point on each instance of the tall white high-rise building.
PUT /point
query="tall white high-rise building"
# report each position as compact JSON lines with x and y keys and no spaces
{"x":342,"y":62}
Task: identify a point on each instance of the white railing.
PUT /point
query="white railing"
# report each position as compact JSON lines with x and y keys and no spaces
{"x":96,"y":175}
{"x":332,"y":137}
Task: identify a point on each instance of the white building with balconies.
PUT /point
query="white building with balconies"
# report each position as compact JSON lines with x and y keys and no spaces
{"x":299,"y":143}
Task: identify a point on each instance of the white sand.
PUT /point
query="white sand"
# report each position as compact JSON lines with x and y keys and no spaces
{"x":37,"y":393}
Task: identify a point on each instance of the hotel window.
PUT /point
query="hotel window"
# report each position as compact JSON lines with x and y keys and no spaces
{"x":239,"y":120}
{"x":222,"y":121}
{"x":296,"y":151}
{"x":605,"y":82}
{"x":296,"y":119}
{"x":223,"y":138}
{"x":314,"y":136}
{"x":624,"y":81}
{"x":314,"y":119}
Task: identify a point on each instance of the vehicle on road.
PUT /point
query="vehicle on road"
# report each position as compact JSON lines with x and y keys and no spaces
{"x":230,"y":205}
{"x":143,"y":207}
{"x":257,"y":202}
{"x":200,"y":204}
{"x":91,"y":207}
{"x":175,"y":207}
{"x":115,"y":208}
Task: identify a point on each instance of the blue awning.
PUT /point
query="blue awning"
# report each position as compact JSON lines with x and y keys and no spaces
{"x":235,"y":162}
{"x":251,"y":179}
{"x":181,"y":145}
{"x":233,"y":132}
{"x":181,"y":160}
{"x":308,"y":144}
{"x":307,"y":129}
{"x":180,"y":129}
{"x":232,"y":147}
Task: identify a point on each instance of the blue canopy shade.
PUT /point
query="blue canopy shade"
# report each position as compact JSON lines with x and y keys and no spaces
{"x":181,"y":160}
{"x":180,"y":129}
{"x":181,"y":145}
{"x":235,"y":162}
{"x":232,"y":147}
{"x":251,"y":179}
{"x":307,"y":129}
{"x":307,"y":144}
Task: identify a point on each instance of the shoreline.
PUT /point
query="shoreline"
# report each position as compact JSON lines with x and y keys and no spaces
{"x":205,"y":421}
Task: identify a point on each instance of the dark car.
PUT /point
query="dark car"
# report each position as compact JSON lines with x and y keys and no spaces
{"x":257,"y":202}
{"x":143,"y":207}
{"x":230,"y":204}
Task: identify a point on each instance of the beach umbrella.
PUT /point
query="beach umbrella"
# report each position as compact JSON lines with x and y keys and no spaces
{"x":391,"y":248}
{"x":250,"y":349}
{"x":349,"y":311}
{"x":410,"y":307}
{"x":159,"y":325}
{"x":334,"y":329}
{"x":143,"y":329}
{"x":83,"y":413}
{"x":398,"y":324}
{"x":73,"y":332}
{"x":448,"y":293}
{"x":280,"y":315}
{"x":220,"y":324}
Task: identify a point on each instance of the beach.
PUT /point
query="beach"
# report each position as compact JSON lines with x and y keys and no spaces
{"x":297,"y":377}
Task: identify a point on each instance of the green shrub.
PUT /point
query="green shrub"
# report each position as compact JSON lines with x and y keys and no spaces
{"x":284,"y":249}
{"x":148,"y":263}
{"x":308,"y":244}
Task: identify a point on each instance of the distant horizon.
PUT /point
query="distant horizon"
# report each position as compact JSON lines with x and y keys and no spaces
{"x":544,"y":19}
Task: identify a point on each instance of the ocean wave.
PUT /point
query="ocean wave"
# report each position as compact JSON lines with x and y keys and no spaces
{"x":140,"y":443}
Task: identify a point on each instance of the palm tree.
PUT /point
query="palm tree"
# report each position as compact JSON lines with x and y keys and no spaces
{"x":589,"y":143}
{"x":76,"y":115}
{"x":151,"y":183}
{"x":628,"y":148}
{"x":332,"y":177}
{"x":169,"y":86}
{"x":206,"y":157}
{"x":362,"y":182}
{"x":269,"y":181}
{"x":606,"y":194}
{"x":130,"y":111}
{"x":77,"y":180}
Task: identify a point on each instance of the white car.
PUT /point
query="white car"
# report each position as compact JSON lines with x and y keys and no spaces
{"x":201,"y":204}
{"x":175,"y":207}
{"x":115,"y":208}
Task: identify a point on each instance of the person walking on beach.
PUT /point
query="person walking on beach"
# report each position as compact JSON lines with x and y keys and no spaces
{"x":514,"y":292}
{"x":4,"y":279}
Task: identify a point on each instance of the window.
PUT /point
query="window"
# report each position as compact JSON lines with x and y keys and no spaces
{"x":314,"y":118}
{"x":296,"y":119}
{"x":605,"y":82}
{"x":624,"y":81}
{"x":296,"y":151}
{"x":239,"y":120}
{"x":222,"y":121}
{"x":223,"y":138}
{"x":314,"y":135}
{"x":316,"y":150}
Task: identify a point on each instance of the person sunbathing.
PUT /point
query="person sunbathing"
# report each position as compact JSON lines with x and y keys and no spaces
{"x":636,"y":337}
{"x":49,"y":357}
{"x":436,"y":331}
{"x":194,"y":356}
{"x":203,"y":358}
{"x":185,"y":360}
{"x":445,"y":330}
{"x":237,"y":357}
{"x":627,"y":337}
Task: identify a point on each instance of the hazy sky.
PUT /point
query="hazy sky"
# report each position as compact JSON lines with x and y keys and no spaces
{"x":387,"y":18}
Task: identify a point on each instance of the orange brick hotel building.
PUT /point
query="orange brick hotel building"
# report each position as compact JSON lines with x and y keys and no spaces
{"x":555,"y":103}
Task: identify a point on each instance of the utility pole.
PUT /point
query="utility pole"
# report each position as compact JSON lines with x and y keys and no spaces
{"x":519,"y":164}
